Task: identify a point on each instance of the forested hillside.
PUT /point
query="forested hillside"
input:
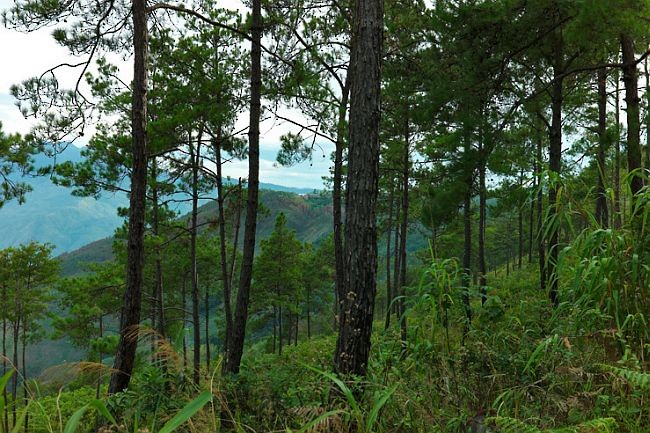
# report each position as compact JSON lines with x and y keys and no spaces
{"x":478,"y":261}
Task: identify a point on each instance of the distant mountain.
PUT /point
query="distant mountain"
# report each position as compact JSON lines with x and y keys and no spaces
{"x":52,"y":214}
{"x":310,"y":215}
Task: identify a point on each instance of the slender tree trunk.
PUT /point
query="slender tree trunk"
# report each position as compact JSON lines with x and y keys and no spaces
{"x":295,"y":341}
{"x":275,"y":326}
{"x":601,"y":195}
{"x":235,"y":242}
{"x":389,"y":232}
{"x":396,"y":257}
{"x":158,"y":316}
{"x":225,"y":278}
{"x":555,"y":166}
{"x":130,"y":316}
{"x":520,"y":220}
{"x":482,"y":221}
{"x":337,"y":214}
{"x":308,"y":313}
{"x":100,"y":357}
{"x":280,"y":330}
{"x":184,"y":320}
{"x":630,"y":79}
{"x":14,"y":392}
{"x":25,"y":381}
{"x":236,"y":342}
{"x":467,"y":224}
{"x":4,"y":359}
{"x":195,"y":155}
{"x":206,"y":314}
{"x":617,"y":218}
{"x":531,"y":225}
{"x":647,"y":114}
{"x":355,"y":327}
{"x":404,"y":232}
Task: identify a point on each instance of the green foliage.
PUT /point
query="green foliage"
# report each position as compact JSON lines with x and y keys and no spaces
{"x":15,"y":156}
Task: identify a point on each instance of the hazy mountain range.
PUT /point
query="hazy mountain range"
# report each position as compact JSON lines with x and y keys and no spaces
{"x":52,"y":214}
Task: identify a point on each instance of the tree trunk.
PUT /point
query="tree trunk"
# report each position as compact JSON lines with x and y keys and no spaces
{"x":355,"y":326}
{"x":275,"y":326}
{"x":206,"y":315}
{"x":195,"y":156}
{"x":482,"y":221}
{"x":389,"y":232}
{"x":467,"y":224}
{"x":235,"y":242}
{"x":184,"y":321}
{"x":225,"y":278}
{"x":555,"y":166}
{"x":236,"y":342}
{"x":520,"y":220}
{"x":647,"y":114}
{"x":541,"y":247}
{"x":601,"y":194}
{"x":100,"y":357}
{"x":396,"y":257}
{"x":4,"y":360}
{"x":295,"y":341}
{"x":130,"y":316}
{"x":401,"y":289}
{"x":280,"y":330}
{"x":308,"y":313}
{"x":158,"y":316}
{"x":630,"y":80}
{"x":25,"y":395}
{"x":616,"y":217}
{"x":531,"y":225}
{"x":339,"y":261}
{"x":14,"y":392}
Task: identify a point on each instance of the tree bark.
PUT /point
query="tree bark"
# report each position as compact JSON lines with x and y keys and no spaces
{"x":401,"y":289}
{"x":236,"y":343}
{"x":235,"y":242}
{"x":337,"y":213}
{"x":520,"y":227}
{"x":630,"y":80}
{"x":616,"y":207}
{"x":356,"y":314}
{"x":206,"y":315}
{"x":396,"y":257}
{"x":25,"y":395}
{"x":280,"y":330}
{"x":130,"y":316}
{"x":225,"y":277}
{"x":541,"y":246}
{"x":555,"y":166}
{"x":601,"y":195}
{"x":4,"y":358}
{"x":158,"y":316}
{"x":467,"y":224}
{"x":195,"y":156}
{"x":482,"y":221}
{"x":184,"y":319}
{"x":647,"y":114}
{"x":389,"y":232}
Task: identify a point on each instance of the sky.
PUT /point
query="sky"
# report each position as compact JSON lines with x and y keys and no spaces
{"x":28,"y":55}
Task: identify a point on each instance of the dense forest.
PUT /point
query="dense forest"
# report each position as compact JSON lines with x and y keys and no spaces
{"x":478,"y":260}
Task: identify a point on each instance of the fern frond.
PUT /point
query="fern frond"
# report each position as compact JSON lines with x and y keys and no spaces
{"x":598,"y":425}
{"x":635,"y":378}
{"x":511,"y":425}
